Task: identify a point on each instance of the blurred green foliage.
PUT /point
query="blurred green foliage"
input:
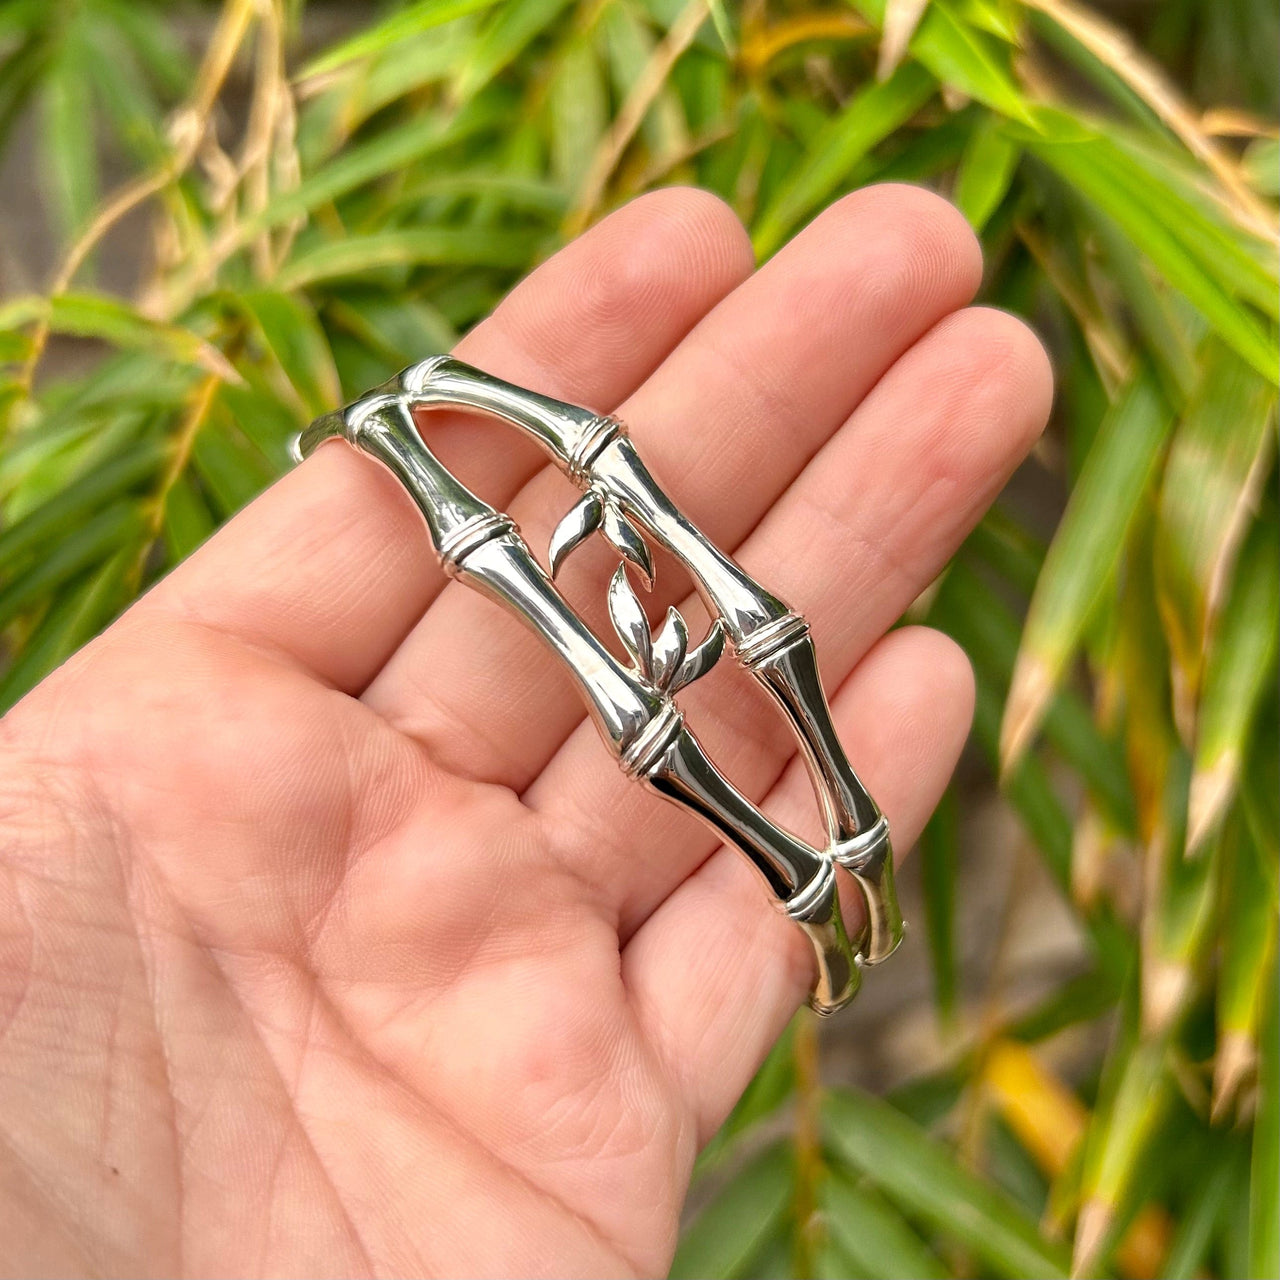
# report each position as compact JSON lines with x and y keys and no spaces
{"x":320,"y":218}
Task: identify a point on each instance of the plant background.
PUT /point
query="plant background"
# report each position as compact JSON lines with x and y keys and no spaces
{"x":219,"y":220}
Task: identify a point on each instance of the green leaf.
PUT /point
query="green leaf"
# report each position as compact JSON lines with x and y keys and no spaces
{"x":1134,"y":1101}
{"x":1178,"y":911}
{"x":986,"y":172}
{"x":989,"y":632}
{"x":72,"y":620}
{"x":1259,"y":799}
{"x":266,"y":418}
{"x":1248,"y":942}
{"x":1092,"y":168}
{"x":1217,"y":464}
{"x":385,"y":153}
{"x":52,"y":520}
{"x":68,"y":149}
{"x":579,"y":111}
{"x":187,"y":518}
{"x":1084,"y":554}
{"x":728,"y":1234}
{"x":417,"y":246}
{"x":1262,"y":165}
{"x":871,"y":116}
{"x":93,"y":542}
{"x":292,"y":334}
{"x":874,"y":1235}
{"x":966,"y":59}
{"x":1246,"y":264}
{"x":1239,"y":672}
{"x":231,"y":468}
{"x":400,"y":25}
{"x":1166,"y":325}
{"x":503,"y":39}
{"x":502,"y":190}
{"x":1264,"y":1182}
{"x":401,"y":329}
{"x":96,"y":315}
{"x":1189,"y":1247}
{"x":628,"y":45}
{"x":926,"y":1179}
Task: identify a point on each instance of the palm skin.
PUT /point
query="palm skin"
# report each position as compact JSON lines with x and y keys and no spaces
{"x":332,"y":941}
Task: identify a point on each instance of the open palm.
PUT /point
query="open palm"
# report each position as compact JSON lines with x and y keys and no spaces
{"x":331,"y":938}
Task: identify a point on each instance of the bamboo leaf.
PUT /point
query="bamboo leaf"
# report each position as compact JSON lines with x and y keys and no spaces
{"x":264,"y":418}
{"x":187,"y":518}
{"x":728,"y":1234}
{"x":578,"y":110}
{"x":293,"y":336}
{"x":92,"y":543}
{"x":1083,"y":555}
{"x":506,"y":34}
{"x":965,"y":59}
{"x":1264,"y":1181}
{"x":986,"y":172}
{"x":874,"y":1235}
{"x":1092,"y":169}
{"x":986,"y":628}
{"x":1218,"y":462}
{"x":629,"y":45}
{"x":404,"y":23}
{"x":1248,"y":934}
{"x":70,"y":506}
{"x":1247,"y":264}
{"x":1240,"y":671}
{"x":72,"y":620}
{"x":1259,"y":800}
{"x":96,"y":315}
{"x":1165,"y":323}
{"x":232,"y":469}
{"x":412,"y":247}
{"x":69,"y":150}
{"x":871,"y":116}
{"x":1122,"y":1126}
{"x":1178,"y":913}
{"x":1189,"y":1248}
{"x":1262,"y":165}
{"x":926,"y":1180}
{"x":1047,"y":1117}
{"x":387,"y":152}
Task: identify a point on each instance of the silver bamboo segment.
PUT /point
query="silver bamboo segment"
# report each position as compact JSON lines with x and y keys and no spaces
{"x":632,"y":709}
{"x":769,"y":639}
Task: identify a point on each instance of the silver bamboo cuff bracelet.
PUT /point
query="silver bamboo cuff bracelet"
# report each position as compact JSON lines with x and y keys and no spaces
{"x":633,"y":704}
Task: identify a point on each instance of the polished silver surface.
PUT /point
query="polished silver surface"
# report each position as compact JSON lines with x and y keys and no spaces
{"x":632,"y":703}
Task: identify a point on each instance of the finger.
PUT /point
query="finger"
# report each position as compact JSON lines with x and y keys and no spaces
{"x":855,"y":539}
{"x":728,"y":420}
{"x":717,"y":971}
{"x":332,"y":566}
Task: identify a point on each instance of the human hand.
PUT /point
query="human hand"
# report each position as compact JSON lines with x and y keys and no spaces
{"x":333,"y":939}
